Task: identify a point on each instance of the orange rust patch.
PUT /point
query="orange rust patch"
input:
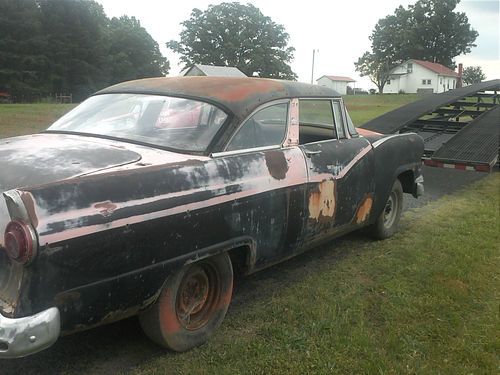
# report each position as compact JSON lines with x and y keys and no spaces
{"x":364,"y":209}
{"x":322,"y":202}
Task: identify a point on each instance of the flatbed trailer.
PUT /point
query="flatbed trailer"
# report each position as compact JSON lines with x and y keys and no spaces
{"x":460,"y":127}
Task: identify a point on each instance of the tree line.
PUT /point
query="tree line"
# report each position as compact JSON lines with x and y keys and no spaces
{"x":72,"y":47}
{"x":53,"y":46}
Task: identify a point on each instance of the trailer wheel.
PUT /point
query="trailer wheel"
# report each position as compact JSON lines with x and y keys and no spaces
{"x":192,"y":304}
{"x":388,"y":221}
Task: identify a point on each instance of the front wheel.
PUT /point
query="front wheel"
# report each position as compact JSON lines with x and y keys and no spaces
{"x":192,"y":304}
{"x":388,"y":221}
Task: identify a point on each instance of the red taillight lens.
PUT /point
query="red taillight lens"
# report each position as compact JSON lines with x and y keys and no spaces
{"x":19,"y":242}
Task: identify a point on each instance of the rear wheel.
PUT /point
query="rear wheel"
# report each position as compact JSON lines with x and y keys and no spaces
{"x":192,"y":304}
{"x":388,"y":221}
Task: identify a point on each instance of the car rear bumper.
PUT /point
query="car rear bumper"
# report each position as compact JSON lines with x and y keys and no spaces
{"x":419,"y":188}
{"x":23,"y":336}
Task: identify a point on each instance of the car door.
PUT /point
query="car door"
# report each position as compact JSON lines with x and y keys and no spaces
{"x":270,"y":175}
{"x":340,"y":171}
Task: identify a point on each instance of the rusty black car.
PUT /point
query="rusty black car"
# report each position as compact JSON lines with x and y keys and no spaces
{"x":148,"y":196}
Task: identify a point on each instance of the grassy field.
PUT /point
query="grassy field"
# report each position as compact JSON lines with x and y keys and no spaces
{"x":21,"y":119}
{"x":365,"y":107}
{"x":423,"y":302}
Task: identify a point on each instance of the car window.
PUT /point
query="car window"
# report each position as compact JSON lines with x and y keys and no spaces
{"x":316,"y":120}
{"x":350,"y":125}
{"x":181,"y":124}
{"x":339,"y":120}
{"x":267,"y":127}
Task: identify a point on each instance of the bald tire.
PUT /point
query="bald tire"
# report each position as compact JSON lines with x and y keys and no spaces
{"x":384,"y":228}
{"x":161,"y":322}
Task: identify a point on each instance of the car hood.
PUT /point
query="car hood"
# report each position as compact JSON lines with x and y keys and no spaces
{"x":43,"y":158}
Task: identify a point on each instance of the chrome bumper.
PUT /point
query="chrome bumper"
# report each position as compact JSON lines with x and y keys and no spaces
{"x":23,"y":336}
{"x":419,"y":186}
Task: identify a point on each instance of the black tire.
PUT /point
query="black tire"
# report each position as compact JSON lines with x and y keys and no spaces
{"x":192,"y":304}
{"x":388,"y":221}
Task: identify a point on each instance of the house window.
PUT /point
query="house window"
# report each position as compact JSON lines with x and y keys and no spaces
{"x":424,"y":81}
{"x":409,"y":67}
{"x":428,"y":81}
{"x":388,"y":82}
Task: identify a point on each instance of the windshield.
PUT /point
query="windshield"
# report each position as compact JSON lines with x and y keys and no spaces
{"x":181,"y":124}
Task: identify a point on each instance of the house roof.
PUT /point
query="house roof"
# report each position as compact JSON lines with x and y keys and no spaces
{"x":437,"y":68}
{"x":218,"y":71}
{"x":338,"y":78}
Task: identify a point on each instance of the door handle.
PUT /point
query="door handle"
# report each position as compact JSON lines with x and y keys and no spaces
{"x":310,"y":153}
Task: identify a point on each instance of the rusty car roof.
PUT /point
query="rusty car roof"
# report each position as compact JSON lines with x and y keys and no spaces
{"x":239,"y":95}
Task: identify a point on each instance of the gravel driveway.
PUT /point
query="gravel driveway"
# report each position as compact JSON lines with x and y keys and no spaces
{"x":122,"y":346}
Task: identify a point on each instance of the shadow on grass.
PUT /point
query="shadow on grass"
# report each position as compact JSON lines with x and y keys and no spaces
{"x":121,"y":346}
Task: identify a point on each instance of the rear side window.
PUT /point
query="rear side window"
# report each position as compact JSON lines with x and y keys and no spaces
{"x":316,"y":112}
{"x":316,"y":121}
{"x":339,"y":120}
{"x":350,"y":125}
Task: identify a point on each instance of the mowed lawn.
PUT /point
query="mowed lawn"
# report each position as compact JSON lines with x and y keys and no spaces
{"x":21,"y":119}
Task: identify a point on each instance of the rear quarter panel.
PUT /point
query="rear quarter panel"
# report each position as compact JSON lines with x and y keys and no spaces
{"x":394,"y":154}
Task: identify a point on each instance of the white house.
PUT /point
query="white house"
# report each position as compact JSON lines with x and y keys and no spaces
{"x":214,"y":71}
{"x":415,"y":76}
{"x":336,"y":83}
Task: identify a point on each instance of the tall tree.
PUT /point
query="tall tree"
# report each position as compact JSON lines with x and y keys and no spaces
{"x":133,"y":52}
{"x":473,"y":74}
{"x":23,"y":64}
{"x":429,"y":30}
{"x":77,"y":45}
{"x":233,"y":34}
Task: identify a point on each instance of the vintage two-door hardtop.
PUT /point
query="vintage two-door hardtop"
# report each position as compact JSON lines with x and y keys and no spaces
{"x":145,"y":197}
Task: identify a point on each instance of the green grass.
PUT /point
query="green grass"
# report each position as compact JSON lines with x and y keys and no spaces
{"x":366,"y":107}
{"x":423,"y":302}
{"x":21,"y":119}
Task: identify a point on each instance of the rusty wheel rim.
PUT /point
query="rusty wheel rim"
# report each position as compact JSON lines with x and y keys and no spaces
{"x":197,"y":296}
{"x":390,"y":210}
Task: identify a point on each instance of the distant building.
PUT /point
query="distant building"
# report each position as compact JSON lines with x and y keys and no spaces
{"x":337,"y":83}
{"x":214,"y":71}
{"x":417,"y":76}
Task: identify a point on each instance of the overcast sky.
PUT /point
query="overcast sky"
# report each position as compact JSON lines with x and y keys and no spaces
{"x":338,"y":29}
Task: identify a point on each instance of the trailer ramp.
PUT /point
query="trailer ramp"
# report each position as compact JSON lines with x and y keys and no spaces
{"x":459,"y":127}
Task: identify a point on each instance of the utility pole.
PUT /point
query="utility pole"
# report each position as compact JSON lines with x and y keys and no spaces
{"x":312,"y":72}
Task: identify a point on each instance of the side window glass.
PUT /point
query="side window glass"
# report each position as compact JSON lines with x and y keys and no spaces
{"x":339,"y":121}
{"x":316,"y":121}
{"x":265,"y":128}
{"x":350,"y":125}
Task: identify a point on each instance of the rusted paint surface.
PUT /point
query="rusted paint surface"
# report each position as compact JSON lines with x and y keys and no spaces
{"x":364,"y":209}
{"x":322,"y":202}
{"x":292,"y":136}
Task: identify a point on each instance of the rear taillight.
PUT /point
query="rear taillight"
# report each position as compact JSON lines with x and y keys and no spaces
{"x":20,"y":242}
